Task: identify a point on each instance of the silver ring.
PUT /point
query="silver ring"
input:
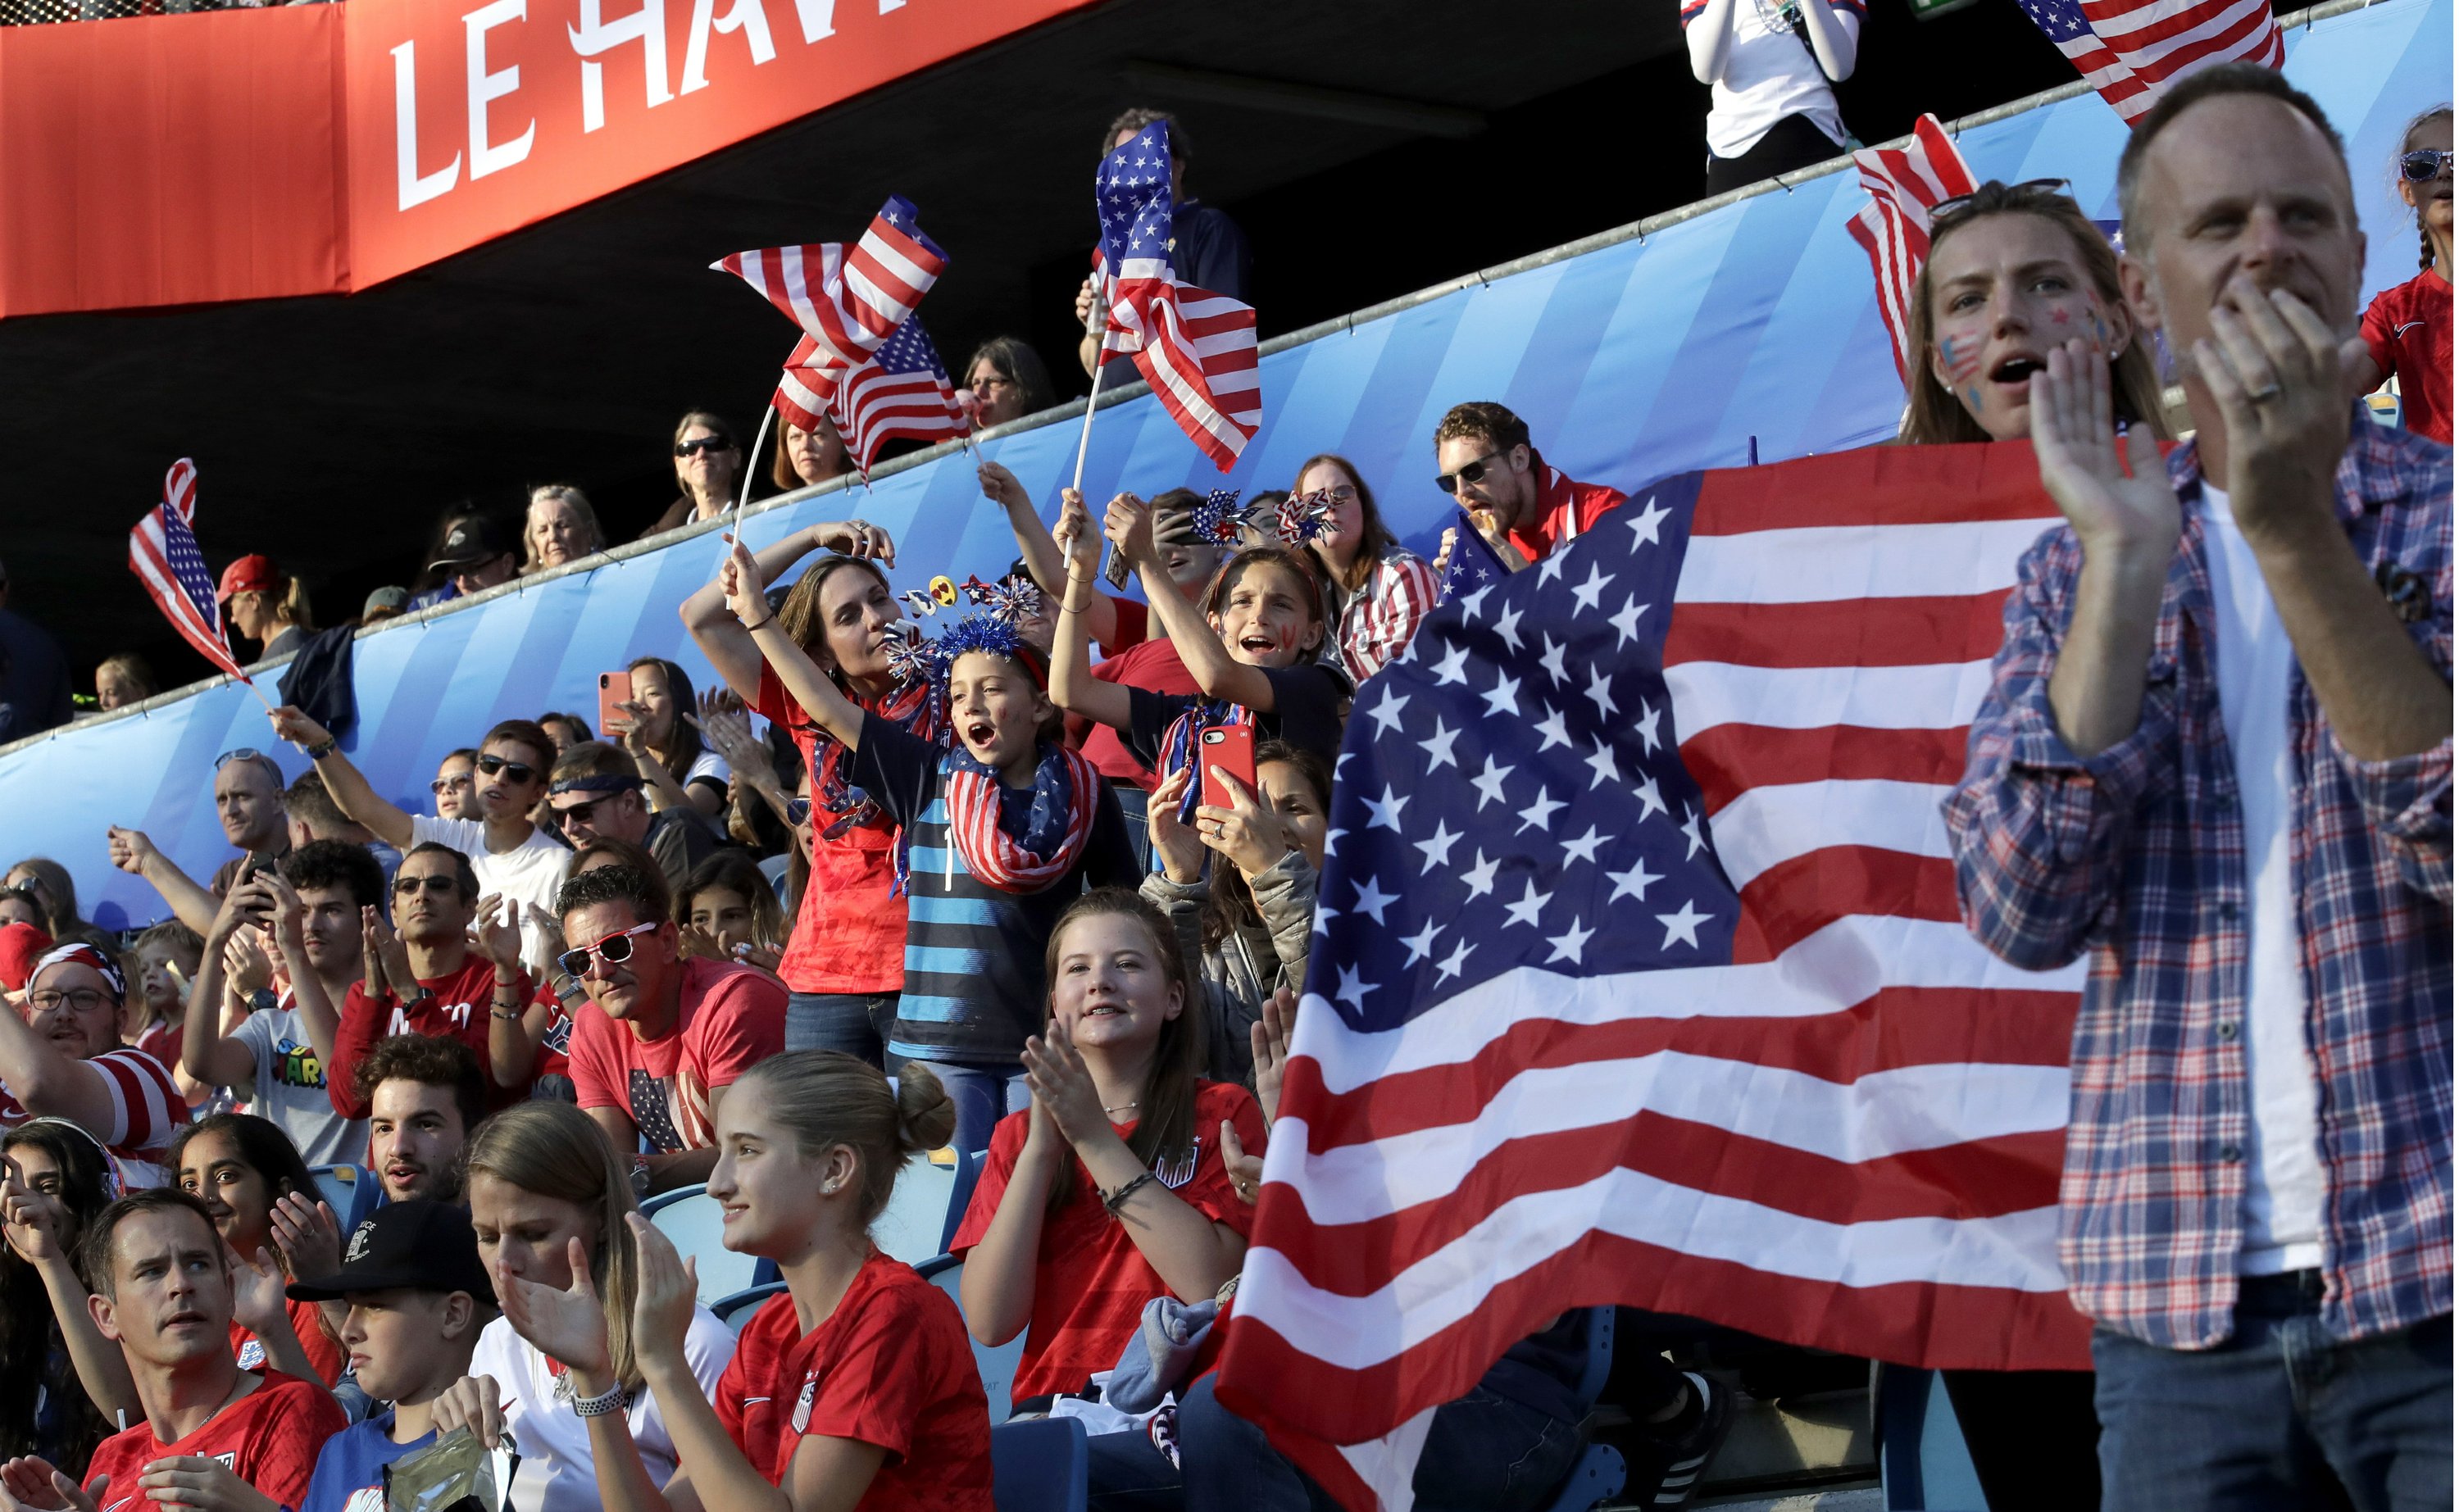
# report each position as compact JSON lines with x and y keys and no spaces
{"x":2263,"y":395}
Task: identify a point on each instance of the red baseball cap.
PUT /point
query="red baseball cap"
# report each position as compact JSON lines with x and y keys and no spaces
{"x":21,"y":946}
{"x":250,"y":574}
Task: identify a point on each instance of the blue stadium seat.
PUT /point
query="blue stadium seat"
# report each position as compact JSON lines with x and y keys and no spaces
{"x":996,"y":1364}
{"x":1923,"y":1463}
{"x":969,"y":1175}
{"x":913,"y":1228}
{"x":1600,"y":1472}
{"x":736,"y":1311}
{"x":1039,"y":1466}
{"x":353,"y":1192}
{"x":693,"y":1220}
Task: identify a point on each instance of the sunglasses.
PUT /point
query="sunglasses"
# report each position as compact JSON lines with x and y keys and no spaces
{"x":445,"y":785}
{"x":517,"y":772}
{"x":579,"y":812}
{"x":241,"y":753}
{"x":700,"y":444}
{"x":614,"y":950}
{"x":1469,"y":473}
{"x":797,"y":811}
{"x":405,"y":886}
{"x":2423,"y":165}
{"x":2030,"y":192}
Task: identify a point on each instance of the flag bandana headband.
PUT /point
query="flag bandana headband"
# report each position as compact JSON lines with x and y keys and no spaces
{"x":88,"y":956}
{"x":1295,"y":521}
{"x":1067,"y":791}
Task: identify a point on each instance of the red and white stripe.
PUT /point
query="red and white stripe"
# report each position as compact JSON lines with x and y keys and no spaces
{"x":872,"y":407}
{"x":1850,"y":1136}
{"x":847,"y":304}
{"x":992,"y":854}
{"x":2155,"y":43}
{"x":1197,"y":350}
{"x":1893,"y":228}
{"x":199,"y":624}
{"x":146,"y":1108}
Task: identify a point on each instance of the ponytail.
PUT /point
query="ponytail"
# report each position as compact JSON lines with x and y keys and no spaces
{"x":295,"y":608}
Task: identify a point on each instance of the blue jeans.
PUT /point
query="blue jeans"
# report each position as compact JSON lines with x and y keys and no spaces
{"x":854,"y":1022}
{"x":1132,"y":802}
{"x":2277,"y":1414}
{"x":983,"y":1096}
{"x":1484,"y":1452}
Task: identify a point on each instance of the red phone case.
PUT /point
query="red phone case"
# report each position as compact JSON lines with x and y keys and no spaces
{"x":1232,"y":747}
{"x":613,"y":688}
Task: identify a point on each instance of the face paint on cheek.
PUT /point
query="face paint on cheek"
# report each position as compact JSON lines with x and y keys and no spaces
{"x":1961,"y":356}
{"x":2059,"y":317}
{"x":1972,"y":397}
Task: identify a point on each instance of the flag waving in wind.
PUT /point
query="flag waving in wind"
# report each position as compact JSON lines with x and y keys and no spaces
{"x":162,"y":552}
{"x":2131,"y":49}
{"x":901,"y":391}
{"x":847,"y":302}
{"x":1638,"y":976}
{"x":1904,"y":183}
{"x":1197,"y":349}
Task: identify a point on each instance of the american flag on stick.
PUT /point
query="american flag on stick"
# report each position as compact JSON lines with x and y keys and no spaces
{"x":901,"y":391}
{"x":847,"y":303}
{"x":1903,"y":183}
{"x":162,"y":553}
{"x":1197,"y":349}
{"x":1638,"y":976}
{"x":2131,"y":49}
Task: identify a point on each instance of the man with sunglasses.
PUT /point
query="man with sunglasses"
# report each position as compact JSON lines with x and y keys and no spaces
{"x":248,"y":800}
{"x":661,"y":1038}
{"x":450,"y":971}
{"x":1523,"y":507}
{"x":513,"y":857}
{"x":594,"y":794}
{"x":60,"y":1057}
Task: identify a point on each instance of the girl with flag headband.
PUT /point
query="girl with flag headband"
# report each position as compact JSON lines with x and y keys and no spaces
{"x":1252,"y":649}
{"x":1001,"y":827}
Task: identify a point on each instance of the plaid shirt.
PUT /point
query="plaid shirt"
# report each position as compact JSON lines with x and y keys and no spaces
{"x":2137,"y":857}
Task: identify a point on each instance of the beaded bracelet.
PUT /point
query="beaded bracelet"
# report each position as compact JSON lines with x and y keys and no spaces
{"x":1116,"y":1200}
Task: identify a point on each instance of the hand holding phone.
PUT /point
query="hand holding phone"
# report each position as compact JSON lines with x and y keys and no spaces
{"x":1225,"y":748}
{"x":613,"y":691}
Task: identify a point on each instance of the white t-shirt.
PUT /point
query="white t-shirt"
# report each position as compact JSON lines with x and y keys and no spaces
{"x":290,"y":1089}
{"x":1768,"y":75}
{"x":532,"y":871}
{"x":707,"y":767}
{"x":557,"y":1472}
{"x":2283,"y":1191}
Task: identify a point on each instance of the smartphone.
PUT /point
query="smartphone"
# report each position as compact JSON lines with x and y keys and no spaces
{"x":1228,"y":748}
{"x":614,"y":688}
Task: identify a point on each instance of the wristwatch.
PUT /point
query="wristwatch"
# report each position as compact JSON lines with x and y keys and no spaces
{"x":322,"y":748}
{"x":614,"y":1402}
{"x":640,"y":1175}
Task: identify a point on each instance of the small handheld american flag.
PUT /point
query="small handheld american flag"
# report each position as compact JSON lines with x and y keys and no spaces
{"x":1903,"y":183}
{"x":847,"y":302}
{"x":162,"y":552}
{"x":2131,"y":49}
{"x":901,"y":391}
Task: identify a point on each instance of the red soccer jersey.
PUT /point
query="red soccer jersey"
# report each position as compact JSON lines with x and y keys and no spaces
{"x":2407,"y":329}
{"x":729,"y":1020}
{"x":849,"y":929}
{"x":1564,"y":510}
{"x":1153,"y":664}
{"x":1090,"y":1282}
{"x":455,"y":1008}
{"x":889,"y":1367}
{"x":146,"y":1109}
{"x":307,"y":1321}
{"x":269,"y":1437}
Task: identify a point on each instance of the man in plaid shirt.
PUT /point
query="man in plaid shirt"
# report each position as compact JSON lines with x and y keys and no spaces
{"x":2216,"y":756}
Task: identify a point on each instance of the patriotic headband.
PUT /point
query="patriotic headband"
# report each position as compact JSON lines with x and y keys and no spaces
{"x":1014,"y":599}
{"x":85,"y":956}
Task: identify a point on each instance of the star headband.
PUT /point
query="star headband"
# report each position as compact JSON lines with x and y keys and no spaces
{"x":1014,"y":599}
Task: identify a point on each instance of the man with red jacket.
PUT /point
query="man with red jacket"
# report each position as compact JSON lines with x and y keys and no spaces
{"x":1525,"y":508}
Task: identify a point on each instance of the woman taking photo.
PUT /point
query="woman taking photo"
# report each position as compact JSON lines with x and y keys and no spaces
{"x":561,"y":528}
{"x":1375,"y":588}
{"x":264,"y":606}
{"x":708,"y":462}
{"x":800,"y":458}
{"x":61,"y":1382}
{"x":677,"y":766}
{"x":549,"y":1201}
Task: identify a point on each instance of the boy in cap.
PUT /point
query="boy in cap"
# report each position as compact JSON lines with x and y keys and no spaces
{"x":418,"y":1295}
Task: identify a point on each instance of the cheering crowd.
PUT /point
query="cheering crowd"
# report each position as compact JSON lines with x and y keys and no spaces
{"x":1042,"y":884}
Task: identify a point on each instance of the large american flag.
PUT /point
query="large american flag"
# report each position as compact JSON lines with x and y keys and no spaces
{"x":901,"y":389}
{"x":847,"y":303}
{"x":1903,"y":183}
{"x":1197,"y":349}
{"x":1638,"y":976}
{"x":162,"y":553}
{"x":2131,"y":49}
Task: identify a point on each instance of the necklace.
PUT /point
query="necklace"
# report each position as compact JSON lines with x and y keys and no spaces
{"x":1123,"y":1107}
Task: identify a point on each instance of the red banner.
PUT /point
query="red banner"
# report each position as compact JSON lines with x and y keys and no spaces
{"x":321,"y":149}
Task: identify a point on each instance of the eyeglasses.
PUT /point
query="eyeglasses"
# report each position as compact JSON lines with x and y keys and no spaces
{"x":84,"y":999}
{"x":700,"y":444}
{"x":1469,"y":473}
{"x":2423,"y":165}
{"x":445,"y":785}
{"x":241,"y":753}
{"x":517,"y":772}
{"x":2031,"y":191}
{"x":405,"y":886}
{"x":614,"y":950}
{"x":798,"y":810}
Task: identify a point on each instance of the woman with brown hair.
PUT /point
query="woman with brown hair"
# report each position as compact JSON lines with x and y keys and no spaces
{"x":800,"y":458}
{"x":1007,"y":380}
{"x":708,"y":464}
{"x":2014,"y":271}
{"x":1375,"y":588}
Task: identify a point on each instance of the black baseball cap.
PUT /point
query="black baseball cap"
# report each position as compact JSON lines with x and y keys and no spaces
{"x":418,"y":1246}
{"x":472,"y":542}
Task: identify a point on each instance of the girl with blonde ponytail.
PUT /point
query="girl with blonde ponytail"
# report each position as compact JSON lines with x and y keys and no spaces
{"x":553,"y":1208}
{"x":854,"y":1389}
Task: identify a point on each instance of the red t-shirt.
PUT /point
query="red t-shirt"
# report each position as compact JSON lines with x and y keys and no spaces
{"x":2407,"y":328}
{"x":457,"y":1008}
{"x":307,"y":1321}
{"x":269,"y":1439}
{"x":1153,"y":664}
{"x":1565,"y":509}
{"x":1090,"y":1281}
{"x":891,"y":1367}
{"x":729,"y":1018}
{"x":850,"y":932}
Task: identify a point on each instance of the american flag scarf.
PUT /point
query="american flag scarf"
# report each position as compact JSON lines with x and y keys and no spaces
{"x":909,"y":707}
{"x":1066,"y":793}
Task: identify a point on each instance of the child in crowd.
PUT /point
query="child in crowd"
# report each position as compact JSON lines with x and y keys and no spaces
{"x":168,"y":956}
{"x":61,"y":1382}
{"x":728,"y":912}
{"x":2407,"y":328}
{"x":854,"y":1389}
{"x":1248,"y":926}
{"x":1001,"y":833}
{"x":416,"y":1296}
{"x":1109,"y":1191}
{"x":547,"y":1198}
{"x":239,"y":1166}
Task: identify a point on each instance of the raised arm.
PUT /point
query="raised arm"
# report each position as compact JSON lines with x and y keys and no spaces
{"x":740,"y":582}
{"x":1834,"y":38}
{"x":36,"y":1221}
{"x":208,"y":1052}
{"x":720,"y":635}
{"x":48,"y":1083}
{"x":1073,"y":686}
{"x":352,"y":793}
{"x":132,"y":851}
{"x":1218,"y":673}
{"x":1041,"y":550}
{"x":1709,"y":36}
